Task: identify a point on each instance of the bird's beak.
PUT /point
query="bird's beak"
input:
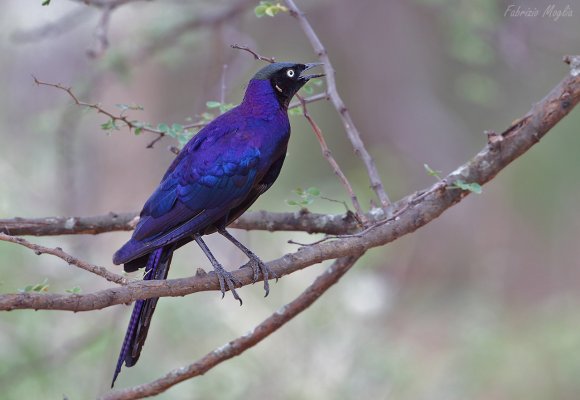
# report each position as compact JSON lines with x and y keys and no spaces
{"x":310,"y":66}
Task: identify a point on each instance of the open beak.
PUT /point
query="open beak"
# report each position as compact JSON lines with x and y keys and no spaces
{"x":310,"y":66}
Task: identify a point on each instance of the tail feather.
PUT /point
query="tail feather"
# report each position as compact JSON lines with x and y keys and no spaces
{"x":156,"y":268}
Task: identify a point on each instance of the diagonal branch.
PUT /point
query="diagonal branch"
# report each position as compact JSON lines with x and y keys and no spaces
{"x":326,"y":153}
{"x":71,"y":260}
{"x":237,"y":346}
{"x":351,"y":130}
{"x":411,"y":213}
{"x":252,"y":52}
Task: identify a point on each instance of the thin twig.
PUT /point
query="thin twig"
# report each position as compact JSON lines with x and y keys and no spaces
{"x":121,"y":117}
{"x":237,"y":346}
{"x":402,"y":206}
{"x":335,"y":167}
{"x":252,"y":52}
{"x":351,"y":130}
{"x":71,"y":260}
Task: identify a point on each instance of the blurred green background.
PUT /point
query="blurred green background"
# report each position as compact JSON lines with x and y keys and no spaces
{"x":480,"y":304}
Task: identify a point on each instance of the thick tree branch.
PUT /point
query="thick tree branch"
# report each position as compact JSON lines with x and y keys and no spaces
{"x":351,"y":130}
{"x":417,"y":210}
{"x":331,"y":224}
{"x":237,"y":346}
{"x":71,"y":260}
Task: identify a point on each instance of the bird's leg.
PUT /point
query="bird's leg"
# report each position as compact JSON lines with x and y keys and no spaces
{"x":224,"y":277}
{"x":255,"y":263}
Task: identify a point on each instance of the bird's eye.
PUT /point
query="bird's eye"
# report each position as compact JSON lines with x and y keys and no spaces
{"x":290,"y":73}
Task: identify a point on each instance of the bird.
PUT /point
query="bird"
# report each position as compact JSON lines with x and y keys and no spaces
{"x":218,"y":174}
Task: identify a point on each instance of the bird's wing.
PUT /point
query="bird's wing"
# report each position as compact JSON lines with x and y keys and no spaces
{"x":212,"y":176}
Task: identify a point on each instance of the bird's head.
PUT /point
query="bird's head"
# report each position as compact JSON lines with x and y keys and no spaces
{"x":286,"y":78}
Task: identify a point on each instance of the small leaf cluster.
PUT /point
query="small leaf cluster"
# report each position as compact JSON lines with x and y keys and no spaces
{"x":37,"y":287}
{"x":473,"y":187}
{"x":138,"y":126}
{"x":308,"y":90}
{"x":223,"y":107}
{"x":432,"y":172}
{"x":310,"y":86}
{"x":266,"y":8}
{"x":295,"y":111}
{"x":176,"y":131}
{"x":305,"y":197}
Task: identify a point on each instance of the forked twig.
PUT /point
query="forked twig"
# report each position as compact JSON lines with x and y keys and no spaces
{"x":60,"y":253}
{"x":335,"y":167}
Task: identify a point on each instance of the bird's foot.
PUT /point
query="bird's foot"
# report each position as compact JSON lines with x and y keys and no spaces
{"x":258,"y":266}
{"x":227,"y":278}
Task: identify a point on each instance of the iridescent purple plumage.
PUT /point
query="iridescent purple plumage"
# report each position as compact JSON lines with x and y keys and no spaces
{"x":213,"y":180}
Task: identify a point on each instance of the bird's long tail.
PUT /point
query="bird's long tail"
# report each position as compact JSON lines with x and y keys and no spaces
{"x":156,"y":269}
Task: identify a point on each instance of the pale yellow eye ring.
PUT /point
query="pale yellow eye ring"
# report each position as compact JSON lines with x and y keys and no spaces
{"x":290,"y":73}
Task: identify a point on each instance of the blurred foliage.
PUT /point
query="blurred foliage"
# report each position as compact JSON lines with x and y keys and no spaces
{"x":305,"y":197}
{"x":266,"y":8}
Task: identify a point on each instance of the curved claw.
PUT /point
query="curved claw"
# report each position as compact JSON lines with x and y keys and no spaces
{"x":226,"y":278}
{"x":258,"y":266}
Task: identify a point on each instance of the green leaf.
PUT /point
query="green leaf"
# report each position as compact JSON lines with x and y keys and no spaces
{"x":295,"y":111}
{"x":136,"y":107}
{"x":177,"y":128}
{"x":432,"y":172}
{"x":46,"y":2}
{"x":74,"y":290}
{"x":38,"y":287}
{"x":313,"y":191}
{"x":163,"y":128}
{"x":269,"y":9}
{"x":308,"y":89}
{"x":316,"y":82}
{"x":212,"y":104}
{"x":226,"y":107}
{"x":260,"y":10}
{"x":207,"y":117}
{"x":184,"y":137}
{"x":292,"y":203}
{"x":472,"y":187}
{"x":109,"y":125}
